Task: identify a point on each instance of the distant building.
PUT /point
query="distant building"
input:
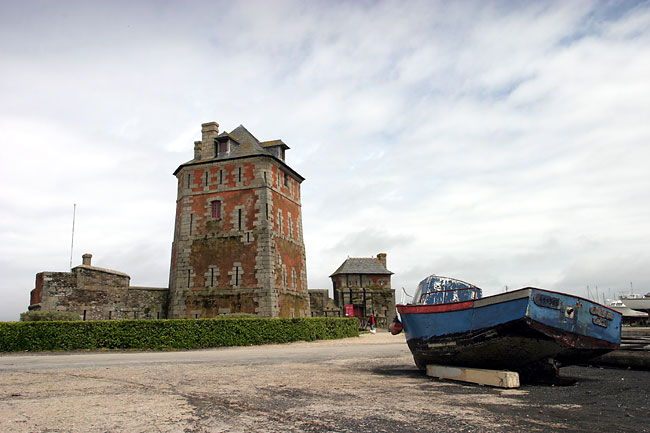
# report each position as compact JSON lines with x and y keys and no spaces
{"x":363,"y":285}
{"x":97,"y":294}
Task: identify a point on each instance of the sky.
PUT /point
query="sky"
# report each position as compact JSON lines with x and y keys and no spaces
{"x":502,"y":143}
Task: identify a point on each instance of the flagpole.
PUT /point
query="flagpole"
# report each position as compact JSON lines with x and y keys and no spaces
{"x":74,"y":214}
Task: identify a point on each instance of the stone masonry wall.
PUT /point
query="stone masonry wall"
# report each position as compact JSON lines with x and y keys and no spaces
{"x":290,"y":273}
{"x":215,"y":256}
{"x":249,"y":259}
{"x":321,"y":305}
{"x":147,"y":302}
{"x":356,"y":280}
{"x":97,"y":294}
{"x":380,"y":302}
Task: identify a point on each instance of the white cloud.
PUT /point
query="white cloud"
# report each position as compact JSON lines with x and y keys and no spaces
{"x":502,"y":144}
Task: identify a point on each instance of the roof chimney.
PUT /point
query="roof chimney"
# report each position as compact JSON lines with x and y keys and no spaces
{"x":382,"y":259}
{"x":197,"y":150}
{"x":209,"y":132}
{"x":85,"y":259}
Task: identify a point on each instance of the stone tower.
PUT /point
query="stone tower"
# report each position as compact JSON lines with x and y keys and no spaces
{"x":238,"y":244}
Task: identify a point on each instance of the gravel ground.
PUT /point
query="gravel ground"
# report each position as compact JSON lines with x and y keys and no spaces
{"x":365,"y":384}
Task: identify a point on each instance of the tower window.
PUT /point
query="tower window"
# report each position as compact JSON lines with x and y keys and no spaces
{"x":220,"y":177}
{"x":286,"y":179}
{"x":239,"y":174}
{"x":216,"y":209}
{"x":239,"y":219}
{"x":284,"y":276}
{"x":206,"y":178}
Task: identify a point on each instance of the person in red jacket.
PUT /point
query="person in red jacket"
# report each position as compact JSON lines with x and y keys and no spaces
{"x":371,"y":323}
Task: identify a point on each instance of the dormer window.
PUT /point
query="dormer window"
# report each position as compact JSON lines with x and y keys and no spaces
{"x":223,"y":147}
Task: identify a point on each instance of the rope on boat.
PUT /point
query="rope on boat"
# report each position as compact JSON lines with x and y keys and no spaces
{"x":406,"y":293}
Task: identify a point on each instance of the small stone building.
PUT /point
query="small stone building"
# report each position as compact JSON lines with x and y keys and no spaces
{"x":97,"y":294}
{"x":361,"y":288}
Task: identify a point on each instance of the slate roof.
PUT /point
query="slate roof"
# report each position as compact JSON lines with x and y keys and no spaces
{"x":272,"y":143}
{"x":227,"y":134}
{"x":95,"y":268}
{"x":362,"y":265}
{"x":243,"y":135}
{"x":246,"y":146}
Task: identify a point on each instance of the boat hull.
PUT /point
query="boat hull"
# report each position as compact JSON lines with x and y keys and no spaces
{"x":637,"y":304}
{"x":520,"y":331}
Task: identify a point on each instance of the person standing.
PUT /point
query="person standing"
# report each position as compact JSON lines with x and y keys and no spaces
{"x":371,"y":323}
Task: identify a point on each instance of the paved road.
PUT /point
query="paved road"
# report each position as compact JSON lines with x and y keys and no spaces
{"x":381,"y":347}
{"x":365,"y":384}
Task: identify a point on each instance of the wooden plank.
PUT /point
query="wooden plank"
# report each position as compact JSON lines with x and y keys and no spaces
{"x":498,"y":378}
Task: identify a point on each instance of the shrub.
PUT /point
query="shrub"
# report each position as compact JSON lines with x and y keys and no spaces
{"x":237,"y":316}
{"x":38,"y":316}
{"x":169,"y":334}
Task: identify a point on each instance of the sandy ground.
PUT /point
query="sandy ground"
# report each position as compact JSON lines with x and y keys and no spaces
{"x":365,"y":384}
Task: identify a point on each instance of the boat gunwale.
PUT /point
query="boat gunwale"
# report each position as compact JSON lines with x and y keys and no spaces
{"x":524,"y":292}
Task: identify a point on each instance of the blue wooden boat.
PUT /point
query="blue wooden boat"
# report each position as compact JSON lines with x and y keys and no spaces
{"x":531,"y":331}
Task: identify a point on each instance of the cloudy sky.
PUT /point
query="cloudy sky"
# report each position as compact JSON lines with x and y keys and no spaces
{"x":502,"y":143}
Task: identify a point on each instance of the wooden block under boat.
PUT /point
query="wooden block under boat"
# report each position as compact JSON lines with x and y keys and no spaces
{"x":497,"y":378}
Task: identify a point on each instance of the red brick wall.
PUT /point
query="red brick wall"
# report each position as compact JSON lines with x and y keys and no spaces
{"x":223,"y":242}
{"x":290,"y":249}
{"x":229,"y":176}
{"x":223,"y":252}
{"x":35,"y":295}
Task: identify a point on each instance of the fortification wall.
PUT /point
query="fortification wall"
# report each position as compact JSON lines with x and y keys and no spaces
{"x":97,"y":294}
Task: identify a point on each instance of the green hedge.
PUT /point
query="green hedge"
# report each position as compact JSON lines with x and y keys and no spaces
{"x":169,"y":334}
